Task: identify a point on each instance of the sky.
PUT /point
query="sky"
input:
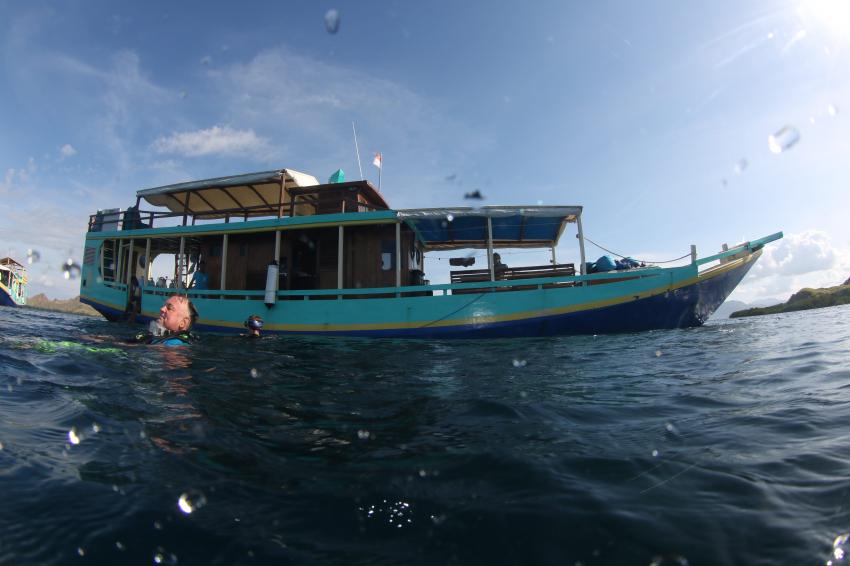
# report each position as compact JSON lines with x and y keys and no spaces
{"x":655,"y":116}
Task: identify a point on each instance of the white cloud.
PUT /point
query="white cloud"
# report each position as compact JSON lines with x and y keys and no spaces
{"x":805,"y":259}
{"x":218,"y":140}
{"x":797,"y":254}
{"x":68,"y":150}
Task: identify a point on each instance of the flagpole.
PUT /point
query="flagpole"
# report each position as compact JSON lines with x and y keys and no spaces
{"x":357,"y":149}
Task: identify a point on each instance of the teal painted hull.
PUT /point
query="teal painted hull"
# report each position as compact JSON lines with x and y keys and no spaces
{"x":634,"y":300}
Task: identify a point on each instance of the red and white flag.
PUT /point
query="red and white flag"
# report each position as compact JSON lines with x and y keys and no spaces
{"x":377,"y":161}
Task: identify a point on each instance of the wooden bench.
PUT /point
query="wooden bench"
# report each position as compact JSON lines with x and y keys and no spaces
{"x":510,"y":274}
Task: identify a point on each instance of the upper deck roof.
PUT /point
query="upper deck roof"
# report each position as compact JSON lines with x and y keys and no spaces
{"x":8,"y":263}
{"x":512,"y":226}
{"x":252,"y":194}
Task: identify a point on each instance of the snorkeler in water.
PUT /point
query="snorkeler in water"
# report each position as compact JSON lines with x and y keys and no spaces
{"x":254,"y":324}
{"x":174,"y":325}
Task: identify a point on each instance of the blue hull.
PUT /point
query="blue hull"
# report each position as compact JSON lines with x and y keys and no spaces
{"x":680,"y":307}
{"x":6,"y":300}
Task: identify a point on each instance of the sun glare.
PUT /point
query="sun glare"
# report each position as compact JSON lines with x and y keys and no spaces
{"x":833,"y":15}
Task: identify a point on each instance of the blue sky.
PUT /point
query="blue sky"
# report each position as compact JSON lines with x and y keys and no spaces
{"x":655,"y":116}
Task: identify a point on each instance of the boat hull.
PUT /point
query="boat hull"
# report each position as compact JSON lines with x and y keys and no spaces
{"x":6,"y":299}
{"x":643,"y":300}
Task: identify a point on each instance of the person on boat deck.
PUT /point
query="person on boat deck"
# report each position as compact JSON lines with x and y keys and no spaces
{"x":200,"y":279}
{"x":499,"y":268}
{"x":174,"y":325}
{"x":254,"y":324}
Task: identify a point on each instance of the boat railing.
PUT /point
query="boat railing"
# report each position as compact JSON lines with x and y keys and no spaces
{"x":408,"y":291}
{"x":135,"y":219}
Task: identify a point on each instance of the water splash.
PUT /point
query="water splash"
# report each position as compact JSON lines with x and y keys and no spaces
{"x":73,"y":437}
{"x":783,"y":140}
{"x":517,"y":363}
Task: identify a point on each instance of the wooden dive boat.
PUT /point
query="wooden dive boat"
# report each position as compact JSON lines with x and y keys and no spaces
{"x":13,"y":283}
{"x":335,"y":259}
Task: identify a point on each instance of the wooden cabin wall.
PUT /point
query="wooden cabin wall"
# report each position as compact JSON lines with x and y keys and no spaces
{"x":363,"y":256}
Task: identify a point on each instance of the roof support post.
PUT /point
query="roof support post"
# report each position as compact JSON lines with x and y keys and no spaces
{"x":186,"y":209}
{"x":554,"y":259}
{"x":129,"y":263}
{"x":180,"y":263}
{"x":147,"y":261}
{"x":223,"y":262}
{"x":580,"y":236}
{"x":282,"y":187}
{"x":277,"y":258}
{"x":490,"y":249}
{"x":117,"y":260}
{"x":398,"y":254}
{"x":339,"y":259}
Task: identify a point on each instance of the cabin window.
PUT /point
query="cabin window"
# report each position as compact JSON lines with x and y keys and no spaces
{"x":387,"y":255}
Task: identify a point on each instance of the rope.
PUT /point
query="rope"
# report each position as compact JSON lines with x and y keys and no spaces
{"x":640,"y":260}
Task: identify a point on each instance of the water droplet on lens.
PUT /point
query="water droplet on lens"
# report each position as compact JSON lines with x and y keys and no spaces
{"x":741,"y":166}
{"x":657,"y":353}
{"x":183,"y":94}
{"x":783,"y":140}
{"x":832,"y":110}
{"x":33,"y":256}
{"x":72,"y":436}
{"x":520,"y":363}
{"x":95,"y":428}
{"x":332,"y":21}
{"x":670,"y":428}
{"x":474,"y":195}
{"x":450,"y":217}
{"x":254,"y":373}
{"x":655,"y":453}
{"x":70,"y":269}
{"x":157,"y":525}
{"x":191,"y":501}
{"x":120,"y":545}
{"x":81,"y":551}
{"x":363,"y":434}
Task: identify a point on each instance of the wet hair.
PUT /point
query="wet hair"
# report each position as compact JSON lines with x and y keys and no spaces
{"x":193,"y":312}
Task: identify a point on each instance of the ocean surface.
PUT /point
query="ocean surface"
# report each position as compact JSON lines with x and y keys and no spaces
{"x":726,"y":444}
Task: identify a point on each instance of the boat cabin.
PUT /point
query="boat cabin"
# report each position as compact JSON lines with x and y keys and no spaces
{"x":282,"y":232}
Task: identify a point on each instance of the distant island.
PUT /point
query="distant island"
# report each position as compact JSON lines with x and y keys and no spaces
{"x":73,"y":306}
{"x":804,"y":299}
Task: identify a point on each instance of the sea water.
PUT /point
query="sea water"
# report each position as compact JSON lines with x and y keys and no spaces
{"x":726,"y":444}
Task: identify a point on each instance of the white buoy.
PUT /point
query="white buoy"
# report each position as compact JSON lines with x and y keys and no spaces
{"x":271,"y":285}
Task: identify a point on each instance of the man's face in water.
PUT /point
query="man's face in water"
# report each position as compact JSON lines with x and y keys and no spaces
{"x":174,"y":314}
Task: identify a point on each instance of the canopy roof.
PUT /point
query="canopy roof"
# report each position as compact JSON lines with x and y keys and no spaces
{"x":254,"y":194}
{"x":513,"y":226}
{"x":8,"y":264}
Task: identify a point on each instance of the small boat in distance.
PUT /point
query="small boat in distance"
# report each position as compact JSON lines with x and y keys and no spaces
{"x":335,"y":259}
{"x":13,"y":283}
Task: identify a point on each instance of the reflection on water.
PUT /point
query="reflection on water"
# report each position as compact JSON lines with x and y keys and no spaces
{"x":661,"y":447}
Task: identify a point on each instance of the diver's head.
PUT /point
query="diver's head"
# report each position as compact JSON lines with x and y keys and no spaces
{"x":254,"y":324}
{"x":178,"y":314}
